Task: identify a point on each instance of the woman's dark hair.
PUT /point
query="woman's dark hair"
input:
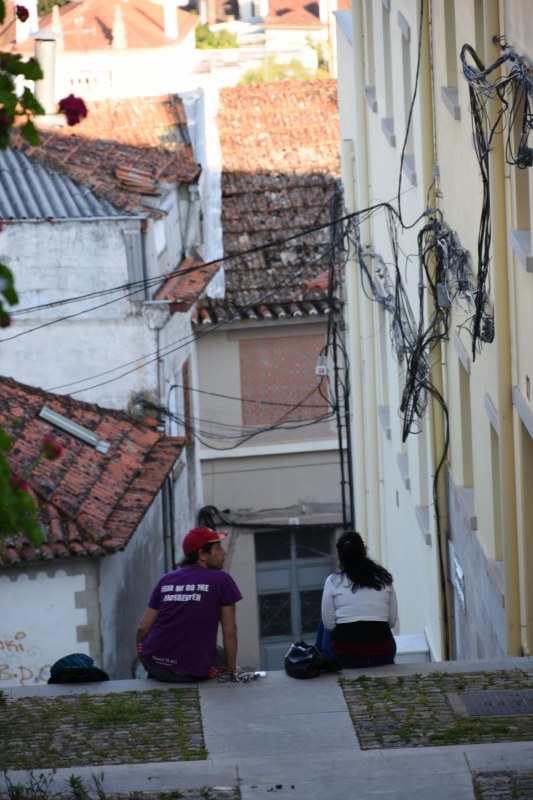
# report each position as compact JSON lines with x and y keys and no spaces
{"x":192,"y":558}
{"x":357,"y":566}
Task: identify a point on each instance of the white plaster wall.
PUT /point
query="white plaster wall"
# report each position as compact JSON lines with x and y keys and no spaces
{"x":85,"y":359}
{"x":240,"y":563}
{"x":39,"y":624}
{"x":281,"y":479}
{"x":62,"y":259}
{"x":201,"y":107}
{"x":126,"y":579}
{"x":109,"y":74}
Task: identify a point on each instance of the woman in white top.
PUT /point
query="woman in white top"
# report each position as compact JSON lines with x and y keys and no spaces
{"x":359,"y":609}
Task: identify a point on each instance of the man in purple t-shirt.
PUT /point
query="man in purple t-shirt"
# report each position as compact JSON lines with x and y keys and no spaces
{"x":177,"y":634}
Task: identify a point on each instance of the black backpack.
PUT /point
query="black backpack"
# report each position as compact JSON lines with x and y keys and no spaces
{"x":76,"y":668}
{"x":302,"y":661}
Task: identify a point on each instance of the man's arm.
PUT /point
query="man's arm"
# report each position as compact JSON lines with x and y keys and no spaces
{"x":145,"y":624}
{"x":229,"y":636}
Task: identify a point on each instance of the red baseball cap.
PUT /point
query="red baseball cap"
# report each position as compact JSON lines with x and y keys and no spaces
{"x":198,"y":537}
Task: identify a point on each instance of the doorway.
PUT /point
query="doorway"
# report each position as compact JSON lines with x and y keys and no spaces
{"x":291,"y":567}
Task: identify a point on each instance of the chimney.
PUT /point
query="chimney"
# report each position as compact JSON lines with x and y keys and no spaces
{"x":23,"y":30}
{"x":263,"y":9}
{"x":211,"y":12}
{"x":119,"y":39}
{"x":171,"y":19}
{"x":202,"y":7}
{"x":45,"y":53}
{"x":57,"y":27}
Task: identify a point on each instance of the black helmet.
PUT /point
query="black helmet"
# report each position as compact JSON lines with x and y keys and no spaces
{"x":302,"y":661}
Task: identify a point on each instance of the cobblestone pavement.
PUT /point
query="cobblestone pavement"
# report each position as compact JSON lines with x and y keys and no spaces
{"x":504,"y":785}
{"x":130,"y":727}
{"x":426,"y":710}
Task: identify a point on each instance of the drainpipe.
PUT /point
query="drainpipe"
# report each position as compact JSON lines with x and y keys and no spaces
{"x":168,"y":524}
{"x":502,"y":343}
{"x":190,"y":232}
{"x":436,"y":416}
{"x":353,"y":289}
{"x":372,"y":525}
{"x":156,"y":315}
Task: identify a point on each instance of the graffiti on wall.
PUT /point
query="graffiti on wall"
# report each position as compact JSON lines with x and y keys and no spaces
{"x":40,"y":622}
{"x":21,"y":660}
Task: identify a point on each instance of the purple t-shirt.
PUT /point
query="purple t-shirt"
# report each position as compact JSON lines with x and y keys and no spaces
{"x":184,"y":636}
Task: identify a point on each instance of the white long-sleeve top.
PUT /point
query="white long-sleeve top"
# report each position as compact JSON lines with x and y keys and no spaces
{"x":341,"y":605}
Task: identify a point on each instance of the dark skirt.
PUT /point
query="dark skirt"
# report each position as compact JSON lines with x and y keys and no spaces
{"x":368,"y":642}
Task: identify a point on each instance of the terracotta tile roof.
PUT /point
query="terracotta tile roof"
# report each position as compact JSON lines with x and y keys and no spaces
{"x":88,"y":25}
{"x":292,"y":14}
{"x":280,"y":164}
{"x":121,"y":150}
{"x":90,"y":503}
{"x":185,"y":288}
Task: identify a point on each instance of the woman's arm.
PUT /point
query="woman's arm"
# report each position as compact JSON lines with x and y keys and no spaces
{"x":393,"y":608}
{"x":328,"y":607}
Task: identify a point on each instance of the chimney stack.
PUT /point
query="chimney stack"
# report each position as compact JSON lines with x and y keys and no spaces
{"x":119,"y":39}
{"x":57,"y":27}
{"x":45,"y":53}
{"x":170,"y":11}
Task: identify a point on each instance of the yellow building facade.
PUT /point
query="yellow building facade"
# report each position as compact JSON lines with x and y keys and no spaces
{"x":434,"y":100}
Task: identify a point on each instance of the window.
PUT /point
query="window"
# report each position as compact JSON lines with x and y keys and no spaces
{"x":387,"y":58}
{"x":276,"y":374}
{"x":370,"y":64}
{"x":383,"y":383}
{"x":520,"y":236}
{"x":387,"y":122}
{"x":450,"y":92}
{"x":466,"y":427}
{"x":526,"y":543}
{"x":452,"y":55}
{"x":409,"y":160}
{"x":479,"y":17}
{"x":496,"y":492}
{"x":291,"y":567}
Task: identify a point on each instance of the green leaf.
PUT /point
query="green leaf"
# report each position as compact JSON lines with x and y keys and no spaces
{"x":7,"y":88}
{"x":7,"y":285}
{"x":30,"y":102}
{"x":31,"y":70}
{"x":30,"y":133}
{"x":2,"y":10}
{"x":5,"y":442}
{"x":11,"y":296}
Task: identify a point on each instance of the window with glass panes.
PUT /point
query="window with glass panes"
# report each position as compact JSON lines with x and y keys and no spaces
{"x":291,"y":567}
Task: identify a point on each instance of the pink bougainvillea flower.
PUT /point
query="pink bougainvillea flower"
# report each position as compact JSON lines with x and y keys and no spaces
{"x":22,"y":13}
{"x":51,"y":448}
{"x":19,"y":483}
{"x":73,"y":108}
{"x":5,"y":121}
